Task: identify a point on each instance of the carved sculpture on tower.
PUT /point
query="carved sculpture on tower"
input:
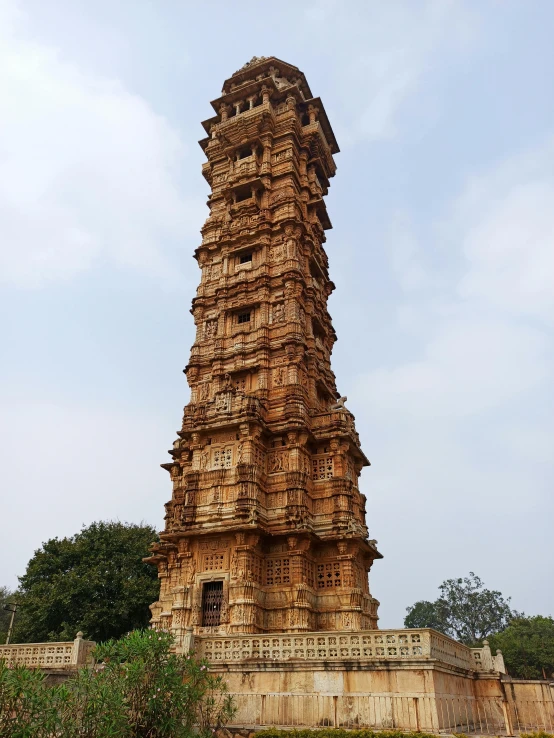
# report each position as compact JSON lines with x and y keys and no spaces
{"x":265,"y":530}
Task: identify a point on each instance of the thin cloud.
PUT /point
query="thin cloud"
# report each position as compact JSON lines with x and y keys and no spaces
{"x":89,"y":171}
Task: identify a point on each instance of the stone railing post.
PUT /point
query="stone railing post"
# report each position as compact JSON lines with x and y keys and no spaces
{"x":78,"y":654}
{"x":486,"y":656}
{"x":498,"y":662}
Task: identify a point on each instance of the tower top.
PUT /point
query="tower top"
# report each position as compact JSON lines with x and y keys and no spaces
{"x":261,"y":67}
{"x":279,"y":81}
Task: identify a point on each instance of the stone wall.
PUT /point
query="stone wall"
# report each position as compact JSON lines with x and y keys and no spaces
{"x":371,"y":679}
{"x":407,"y":679}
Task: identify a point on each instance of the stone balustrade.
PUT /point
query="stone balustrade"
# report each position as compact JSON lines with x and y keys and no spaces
{"x":484,"y":660}
{"x":369,"y":645}
{"x":61,"y":655}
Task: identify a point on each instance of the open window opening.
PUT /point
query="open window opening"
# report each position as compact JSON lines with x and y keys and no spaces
{"x":242,"y":196}
{"x":244,"y":153}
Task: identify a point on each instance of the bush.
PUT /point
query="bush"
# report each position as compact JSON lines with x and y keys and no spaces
{"x":136,"y":689}
{"x":25,"y":708}
{"x":166,"y":695}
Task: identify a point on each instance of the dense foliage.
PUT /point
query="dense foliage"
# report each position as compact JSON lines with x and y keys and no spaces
{"x":94,"y":582}
{"x":5,"y":597}
{"x":468,"y":612}
{"x":465,"y":610}
{"x":139,"y":689}
{"x":527,"y":645}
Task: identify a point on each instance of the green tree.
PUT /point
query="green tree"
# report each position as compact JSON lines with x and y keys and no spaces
{"x":423,"y":614}
{"x":5,"y":596}
{"x":465,"y":610}
{"x":527,"y":645}
{"x":95,"y":582}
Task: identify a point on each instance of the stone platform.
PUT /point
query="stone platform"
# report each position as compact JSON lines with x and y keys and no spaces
{"x":403,"y":679}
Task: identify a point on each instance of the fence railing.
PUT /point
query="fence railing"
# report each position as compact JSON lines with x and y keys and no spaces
{"x":533,"y":715}
{"x":62,"y":655}
{"x":434,"y":714}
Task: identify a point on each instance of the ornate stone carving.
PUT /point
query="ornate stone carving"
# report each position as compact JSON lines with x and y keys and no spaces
{"x":278,"y":313}
{"x":210,"y":328}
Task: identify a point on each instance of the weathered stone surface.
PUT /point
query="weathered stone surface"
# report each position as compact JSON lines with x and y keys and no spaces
{"x":265,"y":531}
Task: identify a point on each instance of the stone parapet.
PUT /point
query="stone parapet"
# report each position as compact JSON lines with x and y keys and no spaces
{"x":360,"y":646}
{"x":60,"y":655}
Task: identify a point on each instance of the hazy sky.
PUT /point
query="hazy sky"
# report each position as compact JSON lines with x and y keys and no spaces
{"x":442,"y":253}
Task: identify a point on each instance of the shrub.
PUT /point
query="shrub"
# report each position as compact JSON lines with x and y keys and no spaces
{"x":166,"y":694}
{"x":25,"y":708}
{"x":136,"y":689}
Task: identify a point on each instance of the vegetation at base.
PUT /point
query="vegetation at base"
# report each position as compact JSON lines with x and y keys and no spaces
{"x":94,"y":582}
{"x":469,"y":612}
{"x":537,"y":734}
{"x":138,"y":689}
{"x":340,"y":733}
{"x":527,"y":645}
{"x":465,"y":610}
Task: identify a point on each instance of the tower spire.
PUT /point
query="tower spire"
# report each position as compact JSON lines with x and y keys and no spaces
{"x":266,"y":528}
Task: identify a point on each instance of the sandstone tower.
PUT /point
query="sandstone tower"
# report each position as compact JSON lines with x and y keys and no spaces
{"x":265,"y":531}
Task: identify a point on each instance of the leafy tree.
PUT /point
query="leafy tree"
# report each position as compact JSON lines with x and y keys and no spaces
{"x":95,"y":582}
{"x":140,"y":689}
{"x":5,"y":597}
{"x":527,"y":645}
{"x":423,"y":615}
{"x":465,"y":610}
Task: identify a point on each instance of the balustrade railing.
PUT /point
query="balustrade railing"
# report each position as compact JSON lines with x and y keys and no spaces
{"x":61,"y":655}
{"x":375,"y":645}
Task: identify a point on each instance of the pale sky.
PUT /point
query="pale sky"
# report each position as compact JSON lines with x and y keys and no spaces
{"x":442,"y":253}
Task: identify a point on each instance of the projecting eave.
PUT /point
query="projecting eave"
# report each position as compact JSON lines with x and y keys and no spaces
{"x":323,"y":121}
{"x":376,"y":554}
{"x":365,"y":460}
{"x":207,"y":124}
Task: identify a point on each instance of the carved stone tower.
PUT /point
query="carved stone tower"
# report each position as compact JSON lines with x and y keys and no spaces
{"x":266,"y":528}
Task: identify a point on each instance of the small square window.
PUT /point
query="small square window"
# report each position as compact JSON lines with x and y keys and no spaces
{"x":243,"y":318}
{"x":245,"y":258}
